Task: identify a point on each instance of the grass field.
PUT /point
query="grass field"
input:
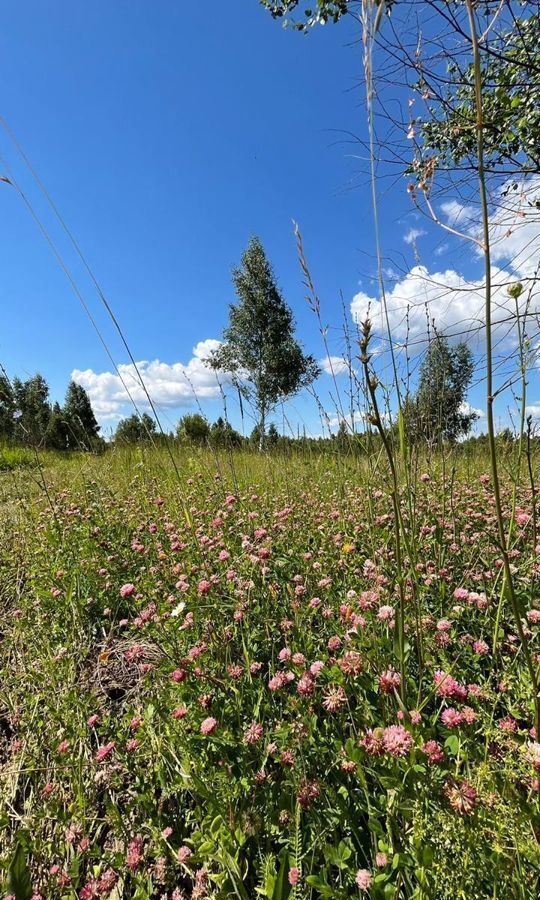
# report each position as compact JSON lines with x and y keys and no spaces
{"x":203,"y":692}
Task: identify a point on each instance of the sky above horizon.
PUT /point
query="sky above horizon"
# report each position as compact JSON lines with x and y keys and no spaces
{"x":167,"y":134}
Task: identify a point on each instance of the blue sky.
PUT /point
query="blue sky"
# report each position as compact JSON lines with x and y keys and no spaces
{"x":167,"y":134}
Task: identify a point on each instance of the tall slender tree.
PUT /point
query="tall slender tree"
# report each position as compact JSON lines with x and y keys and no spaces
{"x":32,"y":409}
{"x":7,"y":407}
{"x":260,"y":351}
{"x":57,"y":435}
{"x":439,"y":411}
{"x":79,"y":416}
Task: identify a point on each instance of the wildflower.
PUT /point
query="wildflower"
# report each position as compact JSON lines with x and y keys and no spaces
{"x":474,"y":690}
{"x":363,"y":879}
{"x":254,"y":733}
{"x":533,"y":616}
{"x":386,"y":613}
{"x":179,"y":712}
{"x":381,"y":860}
{"x":306,"y":685}
{"x":127,"y":590}
{"x":334,"y":698}
{"x":351,"y":663}
{"x":508,"y":724}
{"x":308,"y":791}
{"x":63,"y":746}
{"x":278,"y":681}
{"x":389,"y":681}
{"x":134,"y":653}
{"x":416,"y":717}
{"x":178,"y":675}
{"x":451,"y":717}
{"x":98,"y":887}
{"x":183,"y":854}
{"x":104,"y":752}
{"x":433,"y":751}
{"x":287,"y":758}
{"x":73,"y":833}
{"x":447,"y":686}
{"x":160,"y":870}
{"x":204,"y":586}
{"x":373,"y":741}
{"x":132,"y":745}
{"x":397,"y":740}
{"x":209,"y":726}
{"x":134,"y":853}
{"x":481,"y":648}
{"x":92,"y":720}
{"x":178,"y":609}
{"x":293,"y":876}
{"x":462,"y":796}
{"x":468,"y":714}
{"x":532,"y":754}
{"x":235,"y":671}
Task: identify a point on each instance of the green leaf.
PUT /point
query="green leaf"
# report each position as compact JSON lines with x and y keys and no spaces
{"x":19,"y":880}
{"x":282,"y":887}
{"x":322,"y":887}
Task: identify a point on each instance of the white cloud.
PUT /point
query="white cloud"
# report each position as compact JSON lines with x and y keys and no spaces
{"x":335,"y":365}
{"x":169,"y":385}
{"x":412,"y":235}
{"x":359,"y":417}
{"x":454,"y":303}
{"x":458,"y":215}
{"x":533,"y":410}
{"x":466,"y":409}
{"x":447,"y":299}
{"x":442,"y":248}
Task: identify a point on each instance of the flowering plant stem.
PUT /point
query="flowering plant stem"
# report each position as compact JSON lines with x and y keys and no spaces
{"x":508,"y":583}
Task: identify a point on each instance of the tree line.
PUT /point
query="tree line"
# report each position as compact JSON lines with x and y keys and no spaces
{"x":267,"y":366}
{"x":28,"y":418}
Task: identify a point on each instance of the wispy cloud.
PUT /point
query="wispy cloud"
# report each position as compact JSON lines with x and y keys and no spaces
{"x":412,"y":234}
{"x":335,"y":365}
